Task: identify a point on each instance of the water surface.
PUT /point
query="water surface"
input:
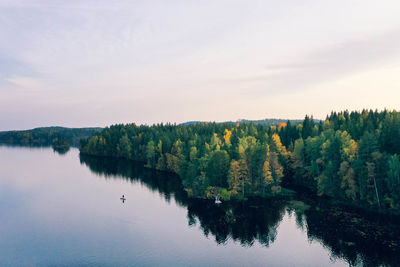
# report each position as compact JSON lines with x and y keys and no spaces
{"x":66,"y":210}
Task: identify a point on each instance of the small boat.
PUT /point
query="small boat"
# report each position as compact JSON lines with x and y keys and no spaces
{"x":123,"y":198}
{"x":217,"y":201}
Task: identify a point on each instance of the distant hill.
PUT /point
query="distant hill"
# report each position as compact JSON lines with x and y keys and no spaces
{"x":44,"y":136}
{"x":266,"y":122}
{"x":270,"y":122}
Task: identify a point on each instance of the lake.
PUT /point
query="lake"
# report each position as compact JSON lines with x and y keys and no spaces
{"x":65,"y":210}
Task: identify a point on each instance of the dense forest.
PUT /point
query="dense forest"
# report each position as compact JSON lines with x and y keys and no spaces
{"x":47,"y":136}
{"x":351,"y":156}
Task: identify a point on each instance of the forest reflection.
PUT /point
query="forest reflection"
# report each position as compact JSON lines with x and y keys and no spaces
{"x":360,"y":238}
{"x":61,"y":151}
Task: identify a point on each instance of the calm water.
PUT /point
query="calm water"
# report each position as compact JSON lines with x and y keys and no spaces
{"x":66,"y":210}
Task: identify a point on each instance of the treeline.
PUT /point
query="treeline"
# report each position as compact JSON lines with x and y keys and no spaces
{"x":46,"y":136}
{"x":352,"y":156}
{"x":264,"y":122}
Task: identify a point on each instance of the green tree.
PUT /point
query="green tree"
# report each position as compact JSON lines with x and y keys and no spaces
{"x":151,"y":154}
{"x":124,"y":147}
{"x":217,"y":169}
{"x":348,"y":184}
{"x":393,"y":181}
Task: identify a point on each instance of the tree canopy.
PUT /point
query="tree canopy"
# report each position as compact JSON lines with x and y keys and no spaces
{"x":352,"y":156}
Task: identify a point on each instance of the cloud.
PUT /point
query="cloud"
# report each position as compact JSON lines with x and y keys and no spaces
{"x":181,"y":60}
{"x":333,"y":62}
{"x":11,"y":68}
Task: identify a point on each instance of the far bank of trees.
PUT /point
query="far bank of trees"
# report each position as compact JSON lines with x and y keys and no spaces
{"x":46,"y":136}
{"x":352,"y":156}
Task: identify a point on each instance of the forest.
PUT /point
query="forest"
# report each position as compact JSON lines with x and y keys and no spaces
{"x":47,"y":136}
{"x":350,"y":156}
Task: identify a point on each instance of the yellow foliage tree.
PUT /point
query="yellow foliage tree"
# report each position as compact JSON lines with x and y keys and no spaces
{"x":238,"y":176}
{"x":227,"y":137}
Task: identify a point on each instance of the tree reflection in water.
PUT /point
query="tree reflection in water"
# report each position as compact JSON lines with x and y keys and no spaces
{"x":356,"y":236}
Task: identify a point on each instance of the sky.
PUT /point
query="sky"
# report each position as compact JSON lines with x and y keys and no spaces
{"x":84,"y":63}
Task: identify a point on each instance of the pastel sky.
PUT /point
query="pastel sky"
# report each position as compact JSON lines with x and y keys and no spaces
{"x":99,"y":62}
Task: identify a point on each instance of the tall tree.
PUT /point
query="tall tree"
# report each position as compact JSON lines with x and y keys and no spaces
{"x":238,"y":177}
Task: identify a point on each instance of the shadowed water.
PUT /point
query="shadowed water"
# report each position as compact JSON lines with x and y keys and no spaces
{"x":66,"y":210}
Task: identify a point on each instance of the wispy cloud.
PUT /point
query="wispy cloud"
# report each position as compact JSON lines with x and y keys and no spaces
{"x":335,"y":61}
